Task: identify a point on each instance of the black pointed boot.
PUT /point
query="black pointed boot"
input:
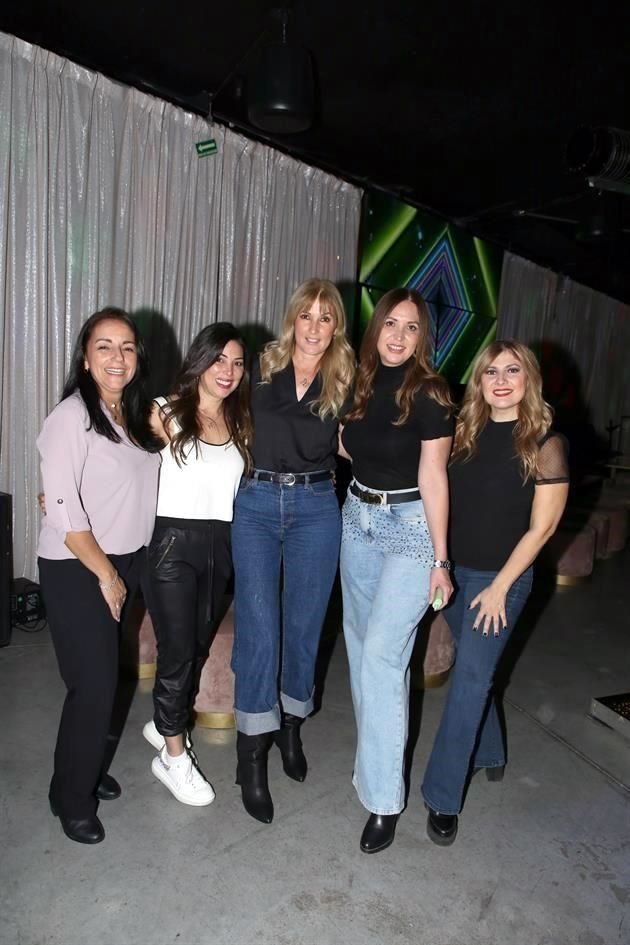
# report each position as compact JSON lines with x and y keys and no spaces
{"x":288,"y":740}
{"x":251,"y":774}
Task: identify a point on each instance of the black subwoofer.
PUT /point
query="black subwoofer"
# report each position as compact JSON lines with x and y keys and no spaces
{"x":6,"y":567}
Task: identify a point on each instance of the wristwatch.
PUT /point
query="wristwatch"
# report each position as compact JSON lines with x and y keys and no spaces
{"x":446,"y":564}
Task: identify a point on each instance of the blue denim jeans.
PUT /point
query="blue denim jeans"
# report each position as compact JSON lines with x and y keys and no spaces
{"x":386,"y":557}
{"x":469,"y":735}
{"x":291,"y":532}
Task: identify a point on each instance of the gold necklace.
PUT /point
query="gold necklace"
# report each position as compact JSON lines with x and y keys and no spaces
{"x":306,"y":381}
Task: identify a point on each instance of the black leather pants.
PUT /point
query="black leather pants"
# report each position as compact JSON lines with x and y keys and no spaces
{"x":189,"y":567}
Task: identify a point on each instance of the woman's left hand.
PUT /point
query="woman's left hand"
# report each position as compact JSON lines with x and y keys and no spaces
{"x":491,"y":613}
{"x":440,"y":579}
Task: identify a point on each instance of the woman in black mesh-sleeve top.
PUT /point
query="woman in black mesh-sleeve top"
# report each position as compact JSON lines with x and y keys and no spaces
{"x":508,"y":481}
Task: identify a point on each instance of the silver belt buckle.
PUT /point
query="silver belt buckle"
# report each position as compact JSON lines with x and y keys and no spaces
{"x":287,"y":479}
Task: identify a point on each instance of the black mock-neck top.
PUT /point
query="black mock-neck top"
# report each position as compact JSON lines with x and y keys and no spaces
{"x":385,"y":456}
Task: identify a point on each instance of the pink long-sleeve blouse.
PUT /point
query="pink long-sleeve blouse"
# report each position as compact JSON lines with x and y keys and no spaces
{"x":93,"y":484}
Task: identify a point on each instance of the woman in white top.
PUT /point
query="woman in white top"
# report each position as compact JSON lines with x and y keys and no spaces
{"x":205,"y":427}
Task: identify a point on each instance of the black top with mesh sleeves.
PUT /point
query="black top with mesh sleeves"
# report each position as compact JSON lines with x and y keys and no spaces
{"x":490,"y":504}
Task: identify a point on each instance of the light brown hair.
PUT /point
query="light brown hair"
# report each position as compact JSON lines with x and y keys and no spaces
{"x":418,"y":376}
{"x":534,"y":414}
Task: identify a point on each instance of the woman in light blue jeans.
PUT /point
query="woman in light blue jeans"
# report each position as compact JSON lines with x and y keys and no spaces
{"x":509,"y":483}
{"x":394,"y":560}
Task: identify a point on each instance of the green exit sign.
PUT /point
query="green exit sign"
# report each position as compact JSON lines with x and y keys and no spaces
{"x":204,"y":148}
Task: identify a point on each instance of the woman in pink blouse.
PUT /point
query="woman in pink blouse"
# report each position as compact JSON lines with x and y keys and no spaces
{"x":100,"y":474}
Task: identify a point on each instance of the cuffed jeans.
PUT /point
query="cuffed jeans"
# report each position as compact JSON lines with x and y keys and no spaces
{"x":469,"y":735}
{"x":295,"y":530}
{"x":386,"y":557}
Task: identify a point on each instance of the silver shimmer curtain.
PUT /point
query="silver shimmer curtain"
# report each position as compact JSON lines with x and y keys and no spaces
{"x":104,"y":200}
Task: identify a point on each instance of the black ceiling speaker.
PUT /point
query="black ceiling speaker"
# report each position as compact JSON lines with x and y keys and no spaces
{"x":281,"y":86}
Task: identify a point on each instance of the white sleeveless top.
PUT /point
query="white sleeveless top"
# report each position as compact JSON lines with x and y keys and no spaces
{"x":205,"y":485}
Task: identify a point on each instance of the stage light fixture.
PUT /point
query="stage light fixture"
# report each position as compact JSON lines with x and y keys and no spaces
{"x":602,"y":155}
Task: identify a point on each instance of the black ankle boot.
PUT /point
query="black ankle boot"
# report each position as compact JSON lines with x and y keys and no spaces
{"x":86,"y":829}
{"x":378,"y":833}
{"x":441,"y":828}
{"x":288,"y":740}
{"x":251,"y":774}
{"x":492,"y":774}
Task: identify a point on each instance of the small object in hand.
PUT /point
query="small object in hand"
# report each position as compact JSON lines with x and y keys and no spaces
{"x":438,"y":600}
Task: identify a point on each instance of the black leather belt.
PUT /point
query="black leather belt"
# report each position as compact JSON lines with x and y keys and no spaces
{"x":291,"y":479}
{"x":384,"y":498}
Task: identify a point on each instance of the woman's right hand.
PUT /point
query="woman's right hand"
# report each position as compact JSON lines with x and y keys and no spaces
{"x":115,"y":594}
{"x":340,"y":447}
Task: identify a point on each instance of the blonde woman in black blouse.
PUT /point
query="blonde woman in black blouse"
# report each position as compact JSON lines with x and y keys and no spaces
{"x":509,"y":484}
{"x":285,"y":535}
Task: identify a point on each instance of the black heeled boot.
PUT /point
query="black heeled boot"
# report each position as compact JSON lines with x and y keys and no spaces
{"x":86,"y":829}
{"x":378,"y":833}
{"x":288,"y":740}
{"x":441,"y":828}
{"x":492,"y":774}
{"x":251,"y":774}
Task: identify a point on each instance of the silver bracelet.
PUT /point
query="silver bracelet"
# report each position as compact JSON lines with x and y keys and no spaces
{"x":443,"y":563}
{"x":108,"y":587}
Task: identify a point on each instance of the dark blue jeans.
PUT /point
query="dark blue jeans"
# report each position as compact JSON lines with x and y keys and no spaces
{"x":293,"y":531}
{"x":469,"y":735}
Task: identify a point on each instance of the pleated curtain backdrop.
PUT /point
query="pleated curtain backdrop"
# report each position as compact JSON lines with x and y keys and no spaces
{"x":104,"y":200}
{"x":589,"y":331}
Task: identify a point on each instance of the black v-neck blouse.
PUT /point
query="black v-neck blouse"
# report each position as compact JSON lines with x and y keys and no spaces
{"x":288,"y":436}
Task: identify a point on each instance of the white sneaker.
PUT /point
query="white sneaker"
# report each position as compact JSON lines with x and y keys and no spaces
{"x":183,"y":779}
{"x":154,"y":738}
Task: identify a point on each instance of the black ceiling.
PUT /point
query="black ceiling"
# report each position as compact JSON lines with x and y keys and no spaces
{"x":462,"y":108}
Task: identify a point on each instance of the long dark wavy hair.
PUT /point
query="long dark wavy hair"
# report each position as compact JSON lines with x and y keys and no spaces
{"x":136,"y":405}
{"x":181,"y":419}
{"x":419,"y":374}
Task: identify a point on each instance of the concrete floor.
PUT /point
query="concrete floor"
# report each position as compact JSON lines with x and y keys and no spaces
{"x":541,"y":859}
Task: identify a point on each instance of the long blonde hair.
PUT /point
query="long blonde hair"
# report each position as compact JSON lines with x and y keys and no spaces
{"x":338,"y":362}
{"x":419,"y":375}
{"x":534,"y":413}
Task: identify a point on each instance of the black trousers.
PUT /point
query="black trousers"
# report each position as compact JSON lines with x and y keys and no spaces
{"x":86,"y":641}
{"x":189,"y":568}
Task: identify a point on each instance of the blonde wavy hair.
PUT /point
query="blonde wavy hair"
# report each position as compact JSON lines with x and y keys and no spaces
{"x":338,"y":362}
{"x":534,"y":413}
{"x":418,"y":376}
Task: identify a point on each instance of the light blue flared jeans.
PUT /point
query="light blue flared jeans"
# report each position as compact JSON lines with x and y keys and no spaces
{"x":386,"y":558}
